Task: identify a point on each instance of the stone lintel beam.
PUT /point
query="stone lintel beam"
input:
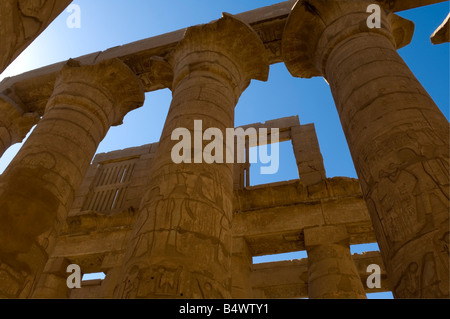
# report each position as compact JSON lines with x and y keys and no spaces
{"x":22,"y":22}
{"x":289,"y":279}
{"x":334,"y":201}
{"x":34,"y":87}
{"x":317,"y":236}
{"x":311,"y":169}
{"x":442,"y":33}
{"x":85,"y":244}
{"x":283,"y":124}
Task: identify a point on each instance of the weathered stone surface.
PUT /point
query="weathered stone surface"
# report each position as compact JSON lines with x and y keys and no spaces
{"x":307,"y":154}
{"x":35,"y":87}
{"x":97,"y":241}
{"x":331,"y":270}
{"x":38,"y":187}
{"x":398,"y":138}
{"x":183,"y":229}
{"x":15,"y":122}
{"x":289,"y":279}
{"x":21,"y":21}
{"x":241,"y":269}
{"x":162,"y":230}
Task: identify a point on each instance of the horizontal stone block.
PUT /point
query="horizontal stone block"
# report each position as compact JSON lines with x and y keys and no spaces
{"x":289,"y":279}
{"x":325,"y":234}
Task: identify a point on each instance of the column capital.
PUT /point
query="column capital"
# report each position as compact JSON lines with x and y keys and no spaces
{"x":227,"y":37}
{"x":161,"y":74}
{"x":315,"y":27}
{"x":324,"y":235}
{"x":15,"y":119}
{"x":110,"y":80}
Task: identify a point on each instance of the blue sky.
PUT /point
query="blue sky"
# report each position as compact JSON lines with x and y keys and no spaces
{"x":109,"y":23}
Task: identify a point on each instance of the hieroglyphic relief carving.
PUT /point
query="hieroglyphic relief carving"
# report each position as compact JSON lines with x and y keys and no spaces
{"x":422,"y":280}
{"x":185,"y":218}
{"x":400,"y":149}
{"x":408,"y":191}
{"x":39,"y":186}
{"x":159,"y":282}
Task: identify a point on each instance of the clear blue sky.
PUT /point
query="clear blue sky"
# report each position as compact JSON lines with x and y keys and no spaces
{"x":109,"y":23}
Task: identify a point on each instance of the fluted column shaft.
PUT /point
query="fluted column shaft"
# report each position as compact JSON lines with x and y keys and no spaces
{"x":398,"y":138}
{"x":39,"y":185}
{"x":181,"y":242}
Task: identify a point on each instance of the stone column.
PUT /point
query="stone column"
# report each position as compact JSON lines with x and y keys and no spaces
{"x":332,"y":272}
{"x":15,"y":123}
{"x":181,"y":242}
{"x":398,"y":137}
{"x":39,"y":185}
{"x":241,"y":269}
{"x":22,"y":21}
{"x":53,"y":281}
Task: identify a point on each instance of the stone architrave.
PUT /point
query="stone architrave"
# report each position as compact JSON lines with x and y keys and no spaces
{"x":38,"y":187}
{"x":332,"y":273}
{"x":180,"y":246}
{"x":21,"y":21}
{"x":398,"y":137}
{"x":15,"y":122}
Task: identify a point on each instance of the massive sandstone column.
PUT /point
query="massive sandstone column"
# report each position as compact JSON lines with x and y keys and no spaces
{"x":332,"y":272}
{"x":398,"y":138}
{"x":15,"y":122}
{"x":39,"y":185}
{"x":21,"y":21}
{"x":180,"y":245}
{"x":241,"y":269}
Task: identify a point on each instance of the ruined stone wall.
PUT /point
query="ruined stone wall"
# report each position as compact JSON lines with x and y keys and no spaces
{"x":267,"y":219}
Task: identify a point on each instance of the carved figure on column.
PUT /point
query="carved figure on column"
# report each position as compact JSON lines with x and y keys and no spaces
{"x":398,"y":137}
{"x":185,"y":219}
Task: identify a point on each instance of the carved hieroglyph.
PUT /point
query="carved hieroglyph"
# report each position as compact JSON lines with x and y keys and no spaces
{"x":38,"y":187}
{"x":21,"y":21}
{"x":398,"y":138}
{"x":180,"y":245}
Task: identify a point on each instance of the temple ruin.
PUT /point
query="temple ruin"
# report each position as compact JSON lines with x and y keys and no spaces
{"x":158,"y":229}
